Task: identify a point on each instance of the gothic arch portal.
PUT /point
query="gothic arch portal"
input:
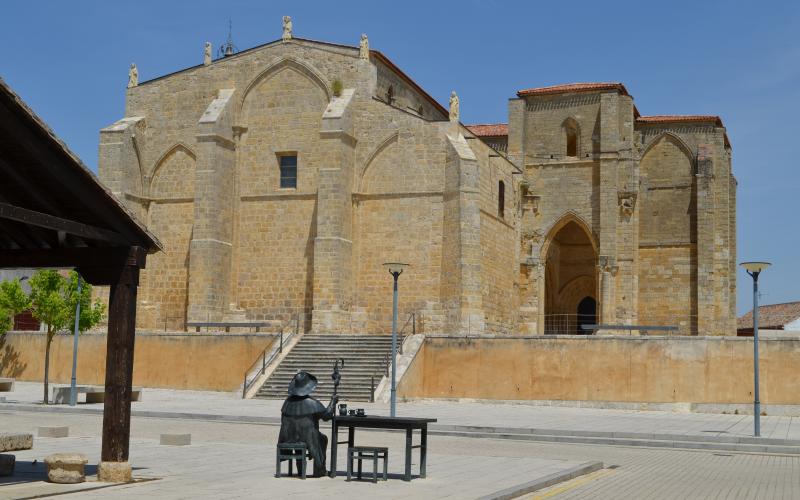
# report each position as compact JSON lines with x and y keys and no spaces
{"x":570,"y":256}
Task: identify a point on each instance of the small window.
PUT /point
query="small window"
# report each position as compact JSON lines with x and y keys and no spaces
{"x":501,"y":199}
{"x":572,"y":142}
{"x":390,"y":95}
{"x":288,"y":164}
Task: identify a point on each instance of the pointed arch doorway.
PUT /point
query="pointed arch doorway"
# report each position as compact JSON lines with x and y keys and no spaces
{"x":571,"y":286}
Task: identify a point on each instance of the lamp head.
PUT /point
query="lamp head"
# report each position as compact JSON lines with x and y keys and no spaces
{"x":755,"y":267}
{"x":396,"y":267}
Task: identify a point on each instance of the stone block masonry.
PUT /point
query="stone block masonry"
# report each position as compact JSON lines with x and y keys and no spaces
{"x":277,"y":199}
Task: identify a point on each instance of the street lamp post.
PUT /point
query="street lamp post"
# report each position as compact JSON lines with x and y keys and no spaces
{"x":73,"y":393}
{"x":395,"y":269}
{"x":754,"y":269}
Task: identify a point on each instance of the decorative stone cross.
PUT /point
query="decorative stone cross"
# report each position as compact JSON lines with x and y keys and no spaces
{"x":454,"y":107}
{"x":133,"y":76}
{"x":363,"y":47}
{"x":287,"y":28}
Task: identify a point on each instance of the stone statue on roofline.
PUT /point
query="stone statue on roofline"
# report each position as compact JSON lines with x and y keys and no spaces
{"x":300,"y":416}
{"x":454,"y":107}
{"x":287,"y":28}
{"x":207,"y":54}
{"x":133,"y":76}
{"x":363,"y":47}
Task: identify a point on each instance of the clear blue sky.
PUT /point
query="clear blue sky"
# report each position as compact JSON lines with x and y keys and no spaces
{"x":740,"y":60}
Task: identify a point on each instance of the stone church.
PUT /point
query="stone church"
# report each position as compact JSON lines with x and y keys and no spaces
{"x":281,"y":178}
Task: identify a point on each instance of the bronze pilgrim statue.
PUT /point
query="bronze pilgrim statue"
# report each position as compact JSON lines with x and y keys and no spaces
{"x":300,"y":416}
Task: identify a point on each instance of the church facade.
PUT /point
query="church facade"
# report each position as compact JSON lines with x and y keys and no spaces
{"x":280,"y":179}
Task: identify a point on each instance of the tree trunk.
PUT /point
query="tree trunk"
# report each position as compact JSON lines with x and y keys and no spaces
{"x":47,"y":366}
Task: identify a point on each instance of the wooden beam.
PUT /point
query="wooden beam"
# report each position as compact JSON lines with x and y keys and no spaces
{"x":119,"y":366}
{"x":99,"y":265}
{"x":58,"y":171}
{"x":48,"y":221}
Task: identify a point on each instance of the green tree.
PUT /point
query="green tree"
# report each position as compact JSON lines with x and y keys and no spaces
{"x":53,"y":299}
{"x":13,"y":300}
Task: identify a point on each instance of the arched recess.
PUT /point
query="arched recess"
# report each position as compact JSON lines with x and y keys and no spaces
{"x":396,"y":218}
{"x":667,"y":232}
{"x":171,"y":218}
{"x":282,"y":108}
{"x":173,"y":173}
{"x":666,"y":200}
{"x":571,"y":133}
{"x":392,"y":139}
{"x":291,"y":63}
{"x":677,"y":140}
{"x":570,"y":256}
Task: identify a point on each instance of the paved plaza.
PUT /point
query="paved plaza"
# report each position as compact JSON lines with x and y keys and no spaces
{"x":461,"y":415}
{"x":232,"y":452}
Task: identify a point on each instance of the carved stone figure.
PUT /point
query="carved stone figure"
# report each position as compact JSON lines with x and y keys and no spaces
{"x":207,"y":54}
{"x":454,"y":105}
{"x":287,"y":28}
{"x":627,"y":202}
{"x":300,"y":416}
{"x":133,"y":76}
{"x":363,"y":47}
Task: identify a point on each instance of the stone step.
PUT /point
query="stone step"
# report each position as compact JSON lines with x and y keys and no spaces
{"x":365,"y":364}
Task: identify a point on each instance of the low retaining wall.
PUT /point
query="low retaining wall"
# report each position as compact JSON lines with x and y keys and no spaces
{"x":599,"y":368}
{"x":201,"y":361}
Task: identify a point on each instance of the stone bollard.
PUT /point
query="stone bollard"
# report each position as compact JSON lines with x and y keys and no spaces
{"x":53,"y":432}
{"x":176,"y":439}
{"x":7,"y":465}
{"x":66,"y":468}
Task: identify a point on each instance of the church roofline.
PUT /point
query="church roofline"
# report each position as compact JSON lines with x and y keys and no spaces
{"x":374,"y":53}
{"x":664,"y":119}
{"x":488,"y":129}
{"x":680,"y":119}
{"x":385,"y":60}
{"x":574,"y":87}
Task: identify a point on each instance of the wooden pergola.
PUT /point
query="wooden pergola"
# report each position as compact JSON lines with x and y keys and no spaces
{"x":55,"y":213}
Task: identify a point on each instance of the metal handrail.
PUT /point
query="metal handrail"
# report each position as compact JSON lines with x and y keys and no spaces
{"x":401,"y":336}
{"x":274,"y":354}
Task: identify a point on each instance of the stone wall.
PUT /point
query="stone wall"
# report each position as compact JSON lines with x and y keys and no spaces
{"x":387,"y":178}
{"x":616,"y":369}
{"x":213,"y":362}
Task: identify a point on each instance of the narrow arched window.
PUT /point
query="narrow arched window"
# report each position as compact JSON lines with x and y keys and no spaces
{"x":572,"y":142}
{"x":390,"y":95}
{"x":501,"y":199}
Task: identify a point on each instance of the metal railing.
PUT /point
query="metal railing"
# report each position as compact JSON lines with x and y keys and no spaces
{"x":265,"y":359}
{"x":401,"y":335}
{"x":587,"y":324}
{"x":568,"y":324}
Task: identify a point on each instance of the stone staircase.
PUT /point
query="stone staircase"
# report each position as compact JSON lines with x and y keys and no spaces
{"x":364,"y":357}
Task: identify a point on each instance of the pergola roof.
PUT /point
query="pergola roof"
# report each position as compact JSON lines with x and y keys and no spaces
{"x":53,"y":210}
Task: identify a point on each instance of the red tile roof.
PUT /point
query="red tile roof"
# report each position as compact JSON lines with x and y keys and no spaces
{"x":772,"y":316}
{"x":574,"y":87}
{"x":488,"y":129}
{"x":680,"y":119}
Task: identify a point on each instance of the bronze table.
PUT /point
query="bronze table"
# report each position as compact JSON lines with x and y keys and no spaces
{"x":379,"y":422}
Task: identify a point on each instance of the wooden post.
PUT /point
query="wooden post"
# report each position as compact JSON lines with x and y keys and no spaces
{"x":119,"y":371}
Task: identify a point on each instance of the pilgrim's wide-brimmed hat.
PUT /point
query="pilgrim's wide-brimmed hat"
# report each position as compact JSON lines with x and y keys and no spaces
{"x":302,"y":384}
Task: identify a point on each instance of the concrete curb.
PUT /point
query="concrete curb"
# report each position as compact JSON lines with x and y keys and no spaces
{"x":744,"y":444}
{"x":545,"y":482}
